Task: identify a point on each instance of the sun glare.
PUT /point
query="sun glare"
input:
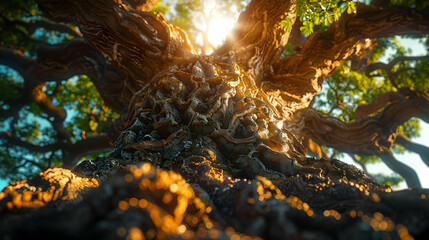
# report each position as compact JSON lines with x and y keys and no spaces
{"x":220,"y":25}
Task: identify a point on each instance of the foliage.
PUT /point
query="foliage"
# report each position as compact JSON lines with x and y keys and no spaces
{"x":86,"y":109}
{"x":389,"y":180}
{"x":86,"y":113}
{"x":322,"y":13}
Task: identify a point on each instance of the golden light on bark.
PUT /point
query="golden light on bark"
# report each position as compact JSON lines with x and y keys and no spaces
{"x":63,"y":185}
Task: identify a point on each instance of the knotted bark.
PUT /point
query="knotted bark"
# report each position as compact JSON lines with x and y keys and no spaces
{"x":204,"y":150}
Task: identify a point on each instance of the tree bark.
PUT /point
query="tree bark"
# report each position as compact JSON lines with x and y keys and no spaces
{"x":367,"y":135}
{"x":298,"y":78}
{"x":205,"y":152}
{"x":408,"y":173}
{"x":420,"y":149}
{"x":259,"y":38}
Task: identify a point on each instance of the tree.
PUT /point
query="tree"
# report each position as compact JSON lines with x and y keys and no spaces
{"x":223,"y":137}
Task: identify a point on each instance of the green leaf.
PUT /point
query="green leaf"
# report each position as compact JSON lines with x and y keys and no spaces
{"x":286,"y":23}
{"x":93,"y":125}
{"x":349,"y":9}
{"x":317,"y":20}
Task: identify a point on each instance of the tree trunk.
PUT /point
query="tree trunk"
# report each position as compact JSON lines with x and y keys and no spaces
{"x":205,"y":151}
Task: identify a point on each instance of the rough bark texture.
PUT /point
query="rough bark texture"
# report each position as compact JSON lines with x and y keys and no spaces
{"x":203,"y":149}
{"x":369,"y":134}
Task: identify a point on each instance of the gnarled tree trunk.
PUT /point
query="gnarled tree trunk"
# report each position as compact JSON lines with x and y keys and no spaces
{"x":205,"y":147}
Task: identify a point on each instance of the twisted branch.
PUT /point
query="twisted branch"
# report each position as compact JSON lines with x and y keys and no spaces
{"x":259,"y":38}
{"x":388,"y":67}
{"x":422,"y":150}
{"x":143,"y":43}
{"x":368,"y":135}
{"x":405,"y":171}
{"x":298,"y":78}
{"x":72,"y":152}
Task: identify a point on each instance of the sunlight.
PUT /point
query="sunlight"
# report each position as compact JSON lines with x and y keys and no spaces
{"x":220,"y":24}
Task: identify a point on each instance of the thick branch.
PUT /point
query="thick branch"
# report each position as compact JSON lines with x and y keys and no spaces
{"x":91,"y":144}
{"x":414,"y":103}
{"x":364,"y":137}
{"x":62,"y":61}
{"x":323,"y":50}
{"x":59,"y":62}
{"x":15,"y":60}
{"x":299,"y":77}
{"x":45,"y":101}
{"x":259,"y":37}
{"x":399,"y":107}
{"x":32,"y":163}
{"x":31,"y":147}
{"x":360,"y":58}
{"x":406,"y":172}
{"x":59,"y":27}
{"x":35,"y":92}
{"x":367,"y":135}
{"x":388,"y":67}
{"x":72,"y":152}
{"x":26,"y":67}
{"x":143,"y":43}
{"x":33,"y":25}
{"x":380,"y":102}
{"x":422,"y":150}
